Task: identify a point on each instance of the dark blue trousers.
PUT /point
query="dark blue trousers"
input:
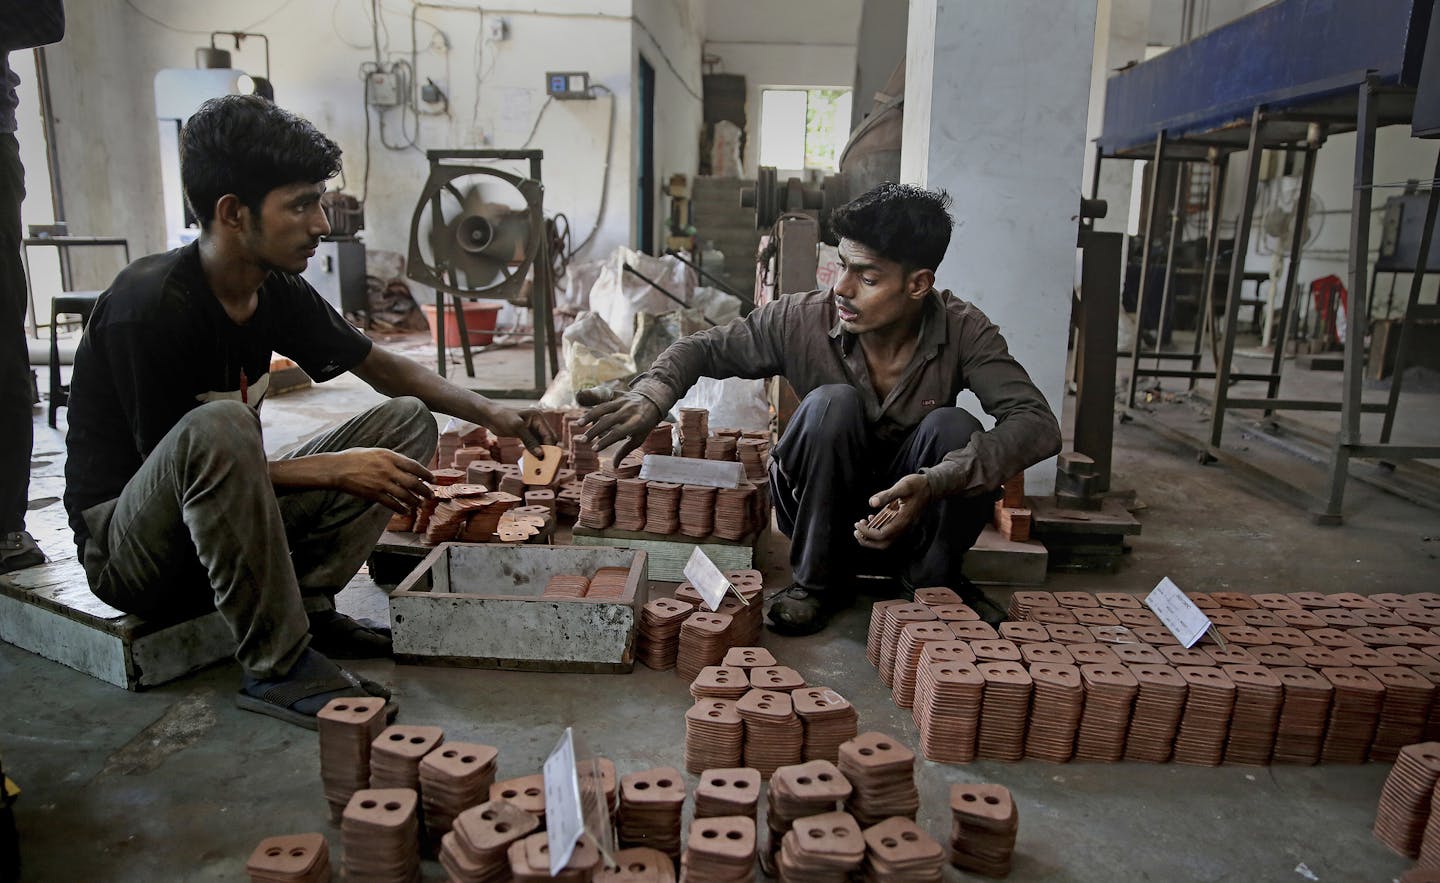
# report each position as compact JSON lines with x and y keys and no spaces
{"x":827,"y":466}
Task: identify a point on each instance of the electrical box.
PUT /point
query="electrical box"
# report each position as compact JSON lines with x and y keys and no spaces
{"x":497,"y":29}
{"x":568,"y":85}
{"x":383,"y":89}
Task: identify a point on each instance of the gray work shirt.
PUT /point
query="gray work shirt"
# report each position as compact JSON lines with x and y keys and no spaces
{"x":799,"y":337}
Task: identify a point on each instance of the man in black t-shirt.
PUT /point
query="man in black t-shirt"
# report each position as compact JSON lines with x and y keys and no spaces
{"x":174,"y":505}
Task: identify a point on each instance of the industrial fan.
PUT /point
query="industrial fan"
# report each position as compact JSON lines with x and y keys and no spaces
{"x":476,"y":232}
{"x":479,"y":232}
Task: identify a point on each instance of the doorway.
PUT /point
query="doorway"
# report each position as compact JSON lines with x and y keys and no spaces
{"x":645,"y":162}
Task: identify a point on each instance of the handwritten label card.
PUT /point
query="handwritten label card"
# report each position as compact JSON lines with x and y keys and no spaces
{"x":706,"y":578}
{"x":1185,"y":621}
{"x":564,"y":815}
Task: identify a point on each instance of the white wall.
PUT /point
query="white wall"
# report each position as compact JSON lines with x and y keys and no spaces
{"x":102,"y":80}
{"x":805,"y":43}
{"x":1012,"y":155}
{"x":1120,"y":37}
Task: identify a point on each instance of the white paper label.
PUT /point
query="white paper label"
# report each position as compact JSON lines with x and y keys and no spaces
{"x":706,"y":578}
{"x":1185,"y":621}
{"x":564,"y":816}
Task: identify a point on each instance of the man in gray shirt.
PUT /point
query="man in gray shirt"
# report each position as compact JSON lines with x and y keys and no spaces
{"x":878,"y":361}
{"x":24,"y":24}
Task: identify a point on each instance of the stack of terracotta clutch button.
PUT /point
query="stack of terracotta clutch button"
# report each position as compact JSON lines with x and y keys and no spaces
{"x":1055,"y":713}
{"x":875,"y":636}
{"x":936,"y":595}
{"x":733,"y":511}
{"x":608,"y":583}
{"x":1409,"y":698}
{"x":1022,"y":602}
{"x":774,"y":735}
{"x":1259,"y":696}
{"x":630,"y":501}
{"x":1300,"y":731}
{"x":453,"y":778}
{"x":913,"y":638}
{"x":895,"y":620}
{"x":1005,"y":711}
{"x":748,"y":657}
{"x":566,"y":586}
{"x":748,"y":616}
{"x":829,"y":720}
{"x":530,"y":861}
{"x":650,"y":805}
{"x":1159,"y":703}
{"x":347,"y":727}
{"x":721,"y":849}
{"x":662,"y":507}
{"x":1354,"y":714}
{"x":659,"y":638}
{"x":947,"y":710}
{"x":1019,"y":632}
{"x":381,"y":835}
{"x":475,"y":850}
{"x":526,"y":792}
{"x":395,"y":755}
{"x":984,"y":824}
{"x":1200,"y":738}
{"x":697,"y":511}
{"x":1110,"y":691}
{"x":899,"y":851}
{"x":694,"y":432}
{"x":714,"y":735}
{"x":720,"y":682}
{"x":660,"y":440}
{"x":704,"y":639}
{"x":753,"y":454}
{"x":824,"y":848}
{"x":882,"y":772}
{"x":780,"y":678}
{"x":721,"y":447}
{"x":731,"y":791}
{"x":1405,"y":800}
{"x":295,"y":858}
{"x":797,"y":791}
{"x":638,"y":864}
{"x":597,"y":501}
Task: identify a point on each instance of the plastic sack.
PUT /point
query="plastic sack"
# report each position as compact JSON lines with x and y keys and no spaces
{"x":733,"y":403}
{"x":618,"y":296}
{"x":653,"y":334}
{"x":725,"y":151}
{"x":593,"y":333}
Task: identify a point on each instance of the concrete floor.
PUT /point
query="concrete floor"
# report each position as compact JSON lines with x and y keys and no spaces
{"x":177,"y":783}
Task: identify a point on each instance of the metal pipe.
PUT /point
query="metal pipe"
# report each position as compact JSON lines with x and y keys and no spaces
{"x":1157,"y":162}
{"x":1297,"y":244}
{"x":1237,"y":277}
{"x":1175,"y":224}
{"x":719,"y":283}
{"x":1204,"y":326}
{"x":1427,"y":231}
{"x":658,"y":287}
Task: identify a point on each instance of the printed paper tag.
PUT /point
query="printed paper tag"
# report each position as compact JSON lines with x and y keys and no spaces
{"x":1185,"y":621}
{"x":564,"y":817}
{"x":706,"y":578}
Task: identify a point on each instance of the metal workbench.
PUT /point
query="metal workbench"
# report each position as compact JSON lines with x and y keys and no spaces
{"x":1284,"y":77}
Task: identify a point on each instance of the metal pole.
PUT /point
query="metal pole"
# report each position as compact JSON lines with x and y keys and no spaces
{"x":1145,"y":265}
{"x":717,"y":281}
{"x":1175,"y":224}
{"x":1237,"y":278}
{"x":437,"y":220}
{"x":1365,"y":121}
{"x":1218,"y":165}
{"x":655,"y":285}
{"x":1297,"y":243}
{"x":1095,"y":174}
{"x":1416,"y":280}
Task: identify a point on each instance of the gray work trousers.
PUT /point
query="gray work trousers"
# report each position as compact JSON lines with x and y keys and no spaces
{"x":201,"y":512}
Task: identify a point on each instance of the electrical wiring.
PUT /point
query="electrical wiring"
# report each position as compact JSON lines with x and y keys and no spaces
{"x":604,"y":174}
{"x":169,"y":27}
{"x":665,"y":56}
{"x":549,"y":99}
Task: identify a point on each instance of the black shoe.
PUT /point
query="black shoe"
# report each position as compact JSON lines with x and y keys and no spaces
{"x":979,"y":602}
{"x":798,"y":611}
{"x":18,"y":550}
{"x":339,"y":637}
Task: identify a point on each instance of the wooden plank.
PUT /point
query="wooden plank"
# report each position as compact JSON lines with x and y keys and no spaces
{"x":667,"y":557}
{"x":1112,"y":518}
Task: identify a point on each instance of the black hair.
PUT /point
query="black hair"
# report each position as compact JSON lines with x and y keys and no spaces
{"x":901,"y":222}
{"x":245,"y":145}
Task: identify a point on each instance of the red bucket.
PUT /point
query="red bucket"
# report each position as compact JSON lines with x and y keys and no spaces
{"x":479,"y":322}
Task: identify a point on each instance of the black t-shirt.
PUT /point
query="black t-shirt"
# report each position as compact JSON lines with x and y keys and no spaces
{"x":159,"y":343}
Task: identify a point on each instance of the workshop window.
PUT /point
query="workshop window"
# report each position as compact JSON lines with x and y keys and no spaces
{"x":803,"y":128}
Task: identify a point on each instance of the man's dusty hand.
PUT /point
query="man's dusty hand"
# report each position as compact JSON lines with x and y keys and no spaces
{"x":381,"y":476}
{"x":913,"y":494}
{"x":527,"y":425}
{"x":618,"y":416}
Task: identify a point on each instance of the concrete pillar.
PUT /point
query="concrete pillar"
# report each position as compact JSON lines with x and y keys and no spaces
{"x":995,"y":104}
{"x":1121,"y":33}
